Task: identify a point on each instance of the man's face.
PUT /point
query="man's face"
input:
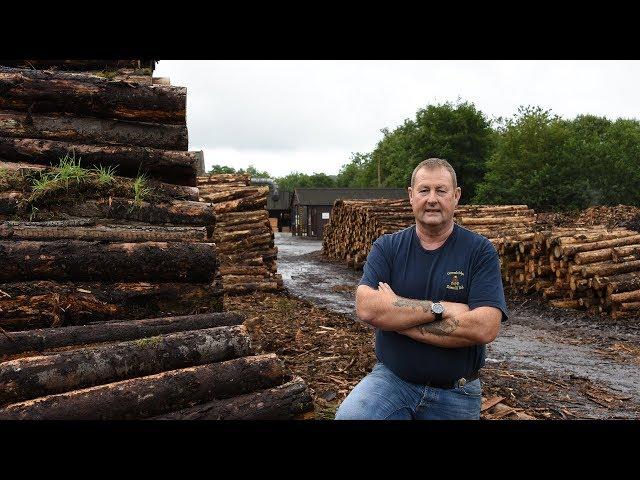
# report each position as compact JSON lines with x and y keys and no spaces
{"x":433,"y":197}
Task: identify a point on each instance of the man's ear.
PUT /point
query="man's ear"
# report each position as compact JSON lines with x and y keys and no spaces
{"x":458,"y":194}
{"x":410,"y":190}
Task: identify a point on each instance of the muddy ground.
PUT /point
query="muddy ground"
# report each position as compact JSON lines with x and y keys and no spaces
{"x":545,"y":363}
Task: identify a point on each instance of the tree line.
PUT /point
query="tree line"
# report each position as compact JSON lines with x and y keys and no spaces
{"x":535,"y":157}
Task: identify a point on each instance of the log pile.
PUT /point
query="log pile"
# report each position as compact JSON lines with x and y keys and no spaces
{"x":591,"y":268}
{"x":131,"y":126}
{"x":591,"y":262}
{"x":194,"y":367}
{"x":242,"y":233}
{"x":100,"y":217}
{"x":356,"y":224}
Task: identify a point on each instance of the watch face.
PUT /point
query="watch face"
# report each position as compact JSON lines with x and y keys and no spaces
{"x":437,"y":308}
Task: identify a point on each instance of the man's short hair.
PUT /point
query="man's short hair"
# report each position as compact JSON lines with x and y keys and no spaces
{"x":431,"y":163}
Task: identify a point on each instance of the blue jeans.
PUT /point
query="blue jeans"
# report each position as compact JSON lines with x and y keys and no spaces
{"x":382,"y":395}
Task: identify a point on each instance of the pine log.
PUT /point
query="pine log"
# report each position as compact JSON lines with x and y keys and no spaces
{"x":74,"y":65}
{"x":170,"y":191}
{"x":573,"y":249}
{"x":224,"y":237}
{"x":631,"y":296}
{"x":243,"y":270}
{"x":261,"y":226}
{"x":264,"y":239}
{"x":225,"y":178}
{"x":84,"y":95}
{"x":154,"y":395}
{"x":215,"y":194}
{"x":224,"y":220}
{"x":630,"y":306}
{"x":177,"y":212}
{"x":170,"y":166}
{"x":252,"y":202}
{"x":232,"y":258}
{"x":93,"y":131}
{"x":27,"y":305}
{"x":575,"y":304}
{"x":84,"y":260}
{"x":17,"y":166}
{"x":86,"y":229}
{"x":284,"y":402}
{"x":495,"y":220}
{"x":111,"y":331}
{"x":619,"y":283}
{"x":619,"y":253}
{"x":605,"y":269}
{"x":593,"y":256}
{"x":37,"y":376}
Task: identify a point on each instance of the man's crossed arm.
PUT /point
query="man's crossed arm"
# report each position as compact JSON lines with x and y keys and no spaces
{"x":459,"y":327}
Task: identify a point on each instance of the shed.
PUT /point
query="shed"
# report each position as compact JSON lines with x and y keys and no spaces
{"x":311,"y":207}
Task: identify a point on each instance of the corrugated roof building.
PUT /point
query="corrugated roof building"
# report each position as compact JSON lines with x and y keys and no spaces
{"x":311,"y":207}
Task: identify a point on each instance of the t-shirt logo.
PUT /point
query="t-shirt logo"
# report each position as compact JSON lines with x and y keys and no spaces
{"x":454,"y":282}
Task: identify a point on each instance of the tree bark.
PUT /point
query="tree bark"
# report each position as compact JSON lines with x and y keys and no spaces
{"x":10,"y":203}
{"x":573,"y":249}
{"x":76,"y":65}
{"x":631,"y":296}
{"x":288,"y":401}
{"x":176,"y":212}
{"x":83,"y":260}
{"x":28,"y":305}
{"x":87,"y":230}
{"x":605,"y":269}
{"x":93,"y":131}
{"x":169,"y":166}
{"x":46,"y":92}
{"x":154,"y":395}
{"x":33,"y":377}
{"x":241,"y":218}
{"x":12,"y":343}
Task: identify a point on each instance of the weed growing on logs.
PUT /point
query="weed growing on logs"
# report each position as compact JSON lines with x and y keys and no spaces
{"x":140,"y":189}
{"x":106,"y":175}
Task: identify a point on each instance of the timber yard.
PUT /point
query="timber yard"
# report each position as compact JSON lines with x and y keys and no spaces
{"x":134,"y":285}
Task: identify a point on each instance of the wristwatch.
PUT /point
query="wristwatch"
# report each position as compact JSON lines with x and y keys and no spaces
{"x":437,"y":309}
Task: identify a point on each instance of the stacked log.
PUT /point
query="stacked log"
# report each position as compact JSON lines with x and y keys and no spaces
{"x":81,"y":247}
{"x":133,"y":127}
{"x":356,"y":224}
{"x":242,"y":233}
{"x":199,"y":366}
{"x":591,"y":268}
{"x":95,"y":244}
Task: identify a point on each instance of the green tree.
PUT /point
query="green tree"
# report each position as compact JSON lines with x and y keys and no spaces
{"x":221,"y":169}
{"x":554,"y":164}
{"x":459,"y":133}
{"x":302,"y":180}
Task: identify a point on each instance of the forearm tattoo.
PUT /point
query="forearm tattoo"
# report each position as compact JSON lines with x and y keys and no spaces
{"x":424,"y":305}
{"x":440,"y":328}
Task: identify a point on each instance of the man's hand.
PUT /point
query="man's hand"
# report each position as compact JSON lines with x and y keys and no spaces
{"x":385,"y":291}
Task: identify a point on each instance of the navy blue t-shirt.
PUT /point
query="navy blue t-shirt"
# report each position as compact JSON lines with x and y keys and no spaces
{"x":465,"y":269}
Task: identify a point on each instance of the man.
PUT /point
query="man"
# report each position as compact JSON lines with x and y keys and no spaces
{"x":434,"y":293}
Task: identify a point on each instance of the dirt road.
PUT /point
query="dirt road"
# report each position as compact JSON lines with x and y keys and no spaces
{"x":544,"y":358}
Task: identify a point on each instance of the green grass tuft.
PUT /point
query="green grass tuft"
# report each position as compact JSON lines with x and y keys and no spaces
{"x":106,"y":175}
{"x":140,"y":189}
{"x":70,"y":169}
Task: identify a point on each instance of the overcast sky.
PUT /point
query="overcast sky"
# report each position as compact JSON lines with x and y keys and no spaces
{"x":309,"y":116}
